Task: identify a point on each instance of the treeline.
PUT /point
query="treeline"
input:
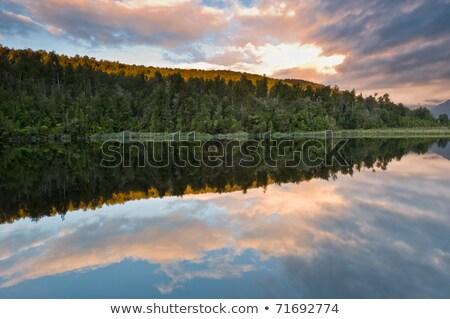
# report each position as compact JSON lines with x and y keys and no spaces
{"x":49,"y":93}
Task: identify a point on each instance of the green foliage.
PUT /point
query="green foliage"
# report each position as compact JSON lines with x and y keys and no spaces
{"x":443,"y":119}
{"x":79,"y":95}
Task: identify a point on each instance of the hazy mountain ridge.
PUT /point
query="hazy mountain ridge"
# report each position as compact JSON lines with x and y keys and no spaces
{"x":441,"y":109}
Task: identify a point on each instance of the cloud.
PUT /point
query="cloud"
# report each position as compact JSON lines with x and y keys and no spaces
{"x":109,"y":22}
{"x":269,"y":59}
{"x":389,"y":45}
{"x":138,"y":4}
{"x":142,"y":239}
{"x":265,"y":9}
{"x":13,"y":23}
{"x":216,"y":267}
{"x":367,"y":45}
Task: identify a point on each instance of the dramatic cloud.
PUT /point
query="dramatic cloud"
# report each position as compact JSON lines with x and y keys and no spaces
{"x":374,"y":46}
{"x":389,"y":45}
{"x":110,"y":22}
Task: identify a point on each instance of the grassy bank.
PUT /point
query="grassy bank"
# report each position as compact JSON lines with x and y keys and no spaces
{"x":373,"y":133}
{"x":394,"y":133}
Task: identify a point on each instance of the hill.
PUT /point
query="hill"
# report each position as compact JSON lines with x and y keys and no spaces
{"x":443,"y":108}
{"x":46,"y":92}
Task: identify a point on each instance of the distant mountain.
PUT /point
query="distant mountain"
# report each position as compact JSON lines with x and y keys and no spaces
{"x":441,"y":109}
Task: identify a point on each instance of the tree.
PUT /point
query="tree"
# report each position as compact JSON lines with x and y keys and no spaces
{"x":443,"y":119}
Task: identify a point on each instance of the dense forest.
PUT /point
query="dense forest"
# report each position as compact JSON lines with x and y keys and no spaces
{"x":49,"y":93}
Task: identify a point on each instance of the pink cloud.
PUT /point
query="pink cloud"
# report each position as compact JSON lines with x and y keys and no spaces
{"x":113,"y":22}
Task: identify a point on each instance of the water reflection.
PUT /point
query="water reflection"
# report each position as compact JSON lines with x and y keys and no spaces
{"x":374,"y":234}
{"x":55,"y":179}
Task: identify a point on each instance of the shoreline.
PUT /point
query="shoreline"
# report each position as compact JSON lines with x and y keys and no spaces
{"x":186,"y":136}
{"x":127,"y":136}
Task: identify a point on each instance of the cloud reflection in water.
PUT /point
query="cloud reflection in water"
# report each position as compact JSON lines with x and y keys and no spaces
{"x":382,"y":234}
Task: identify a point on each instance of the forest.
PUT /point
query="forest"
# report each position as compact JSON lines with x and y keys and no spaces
{"x":49,"y":93}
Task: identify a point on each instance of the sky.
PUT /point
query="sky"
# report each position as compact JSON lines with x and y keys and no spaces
{"x":401,"y":47}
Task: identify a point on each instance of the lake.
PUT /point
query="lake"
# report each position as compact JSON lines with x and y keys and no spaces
{"x":76,"y":226}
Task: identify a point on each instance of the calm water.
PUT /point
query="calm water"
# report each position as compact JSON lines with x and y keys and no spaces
{"x":379,"y":228}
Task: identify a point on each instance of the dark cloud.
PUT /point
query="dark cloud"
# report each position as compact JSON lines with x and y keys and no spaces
{"x":429,"y":21}
{"x":420,"y":64}
{"x":389,"y":42}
